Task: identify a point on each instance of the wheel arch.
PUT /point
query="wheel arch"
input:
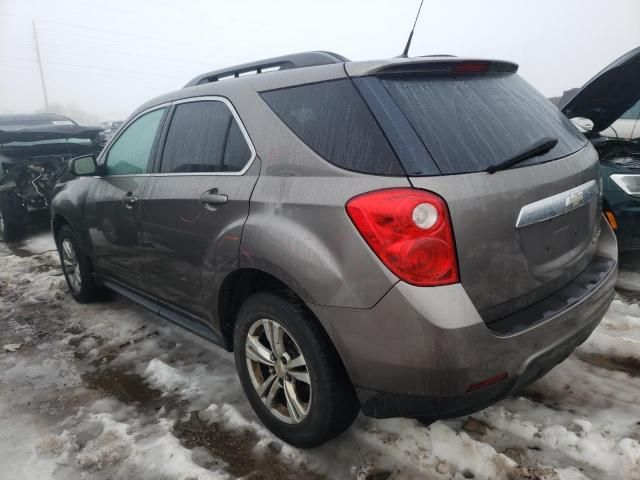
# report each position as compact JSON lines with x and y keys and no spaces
{"x":240,"y":285}
{"x":244,"y":282}
{"x":57,"y":222}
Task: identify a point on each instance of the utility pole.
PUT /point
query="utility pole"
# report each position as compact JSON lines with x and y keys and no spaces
{"x":44,"y":86}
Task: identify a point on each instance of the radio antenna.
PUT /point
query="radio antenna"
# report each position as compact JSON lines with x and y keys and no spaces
{"x":405,"y":53}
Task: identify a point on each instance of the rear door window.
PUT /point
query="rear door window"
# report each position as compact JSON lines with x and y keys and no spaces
{"x":196,"y":138}
{"x":334,"y":121}
{"x":470,"y":122}
{"x":204,"y":137}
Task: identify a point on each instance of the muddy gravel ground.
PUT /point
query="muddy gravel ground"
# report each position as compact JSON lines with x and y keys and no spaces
{"x":107,"y":391}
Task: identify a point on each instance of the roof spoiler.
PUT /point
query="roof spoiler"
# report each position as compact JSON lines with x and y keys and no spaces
{"x":285,"y":62}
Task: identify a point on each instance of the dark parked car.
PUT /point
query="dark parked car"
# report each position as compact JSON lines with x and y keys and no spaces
{"x":410,"y":237}
{"x":607,"y":108}
{"x":109,"y":129}
{"x":35,"y":151}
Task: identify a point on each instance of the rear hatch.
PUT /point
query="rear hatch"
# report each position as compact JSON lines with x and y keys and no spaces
{"x":521,"y":233}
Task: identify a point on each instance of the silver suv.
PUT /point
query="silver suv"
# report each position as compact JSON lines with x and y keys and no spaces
{"x":407,"y":237}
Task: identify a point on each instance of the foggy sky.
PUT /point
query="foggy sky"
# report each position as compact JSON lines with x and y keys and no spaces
{"x":107,"y":57}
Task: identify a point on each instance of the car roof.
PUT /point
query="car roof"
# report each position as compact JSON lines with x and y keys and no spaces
{"x":307,"y":67}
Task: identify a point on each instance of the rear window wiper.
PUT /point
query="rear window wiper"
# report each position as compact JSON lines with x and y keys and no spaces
{"x":541,"y":147}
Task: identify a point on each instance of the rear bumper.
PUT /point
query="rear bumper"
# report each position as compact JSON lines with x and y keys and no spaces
{"x":417,"y":352}
{"x":384,"y":405}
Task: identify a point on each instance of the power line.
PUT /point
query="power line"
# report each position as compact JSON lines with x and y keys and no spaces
{"x":115,"y":70}
{"x":114,"y":48}
{"x":92,"y":75}
{"x":125,"y":50}
{"x":51,"y":62}
{"x":103,"y":30}
{"x":163,"y":63}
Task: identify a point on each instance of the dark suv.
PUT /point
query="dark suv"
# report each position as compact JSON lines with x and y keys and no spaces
{"x":410,"y":237}
{"x":35,"y":150}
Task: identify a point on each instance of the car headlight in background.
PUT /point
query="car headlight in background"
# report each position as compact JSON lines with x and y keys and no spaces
{"x":629,"y":183}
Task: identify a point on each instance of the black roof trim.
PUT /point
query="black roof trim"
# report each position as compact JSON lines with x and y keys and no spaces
{"x":285,"y":62}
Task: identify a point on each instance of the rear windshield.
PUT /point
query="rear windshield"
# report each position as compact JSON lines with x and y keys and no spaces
{"x":469,"y":123}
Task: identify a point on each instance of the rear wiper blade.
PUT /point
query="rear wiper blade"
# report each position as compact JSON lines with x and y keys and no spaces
{"x":541,"y":147}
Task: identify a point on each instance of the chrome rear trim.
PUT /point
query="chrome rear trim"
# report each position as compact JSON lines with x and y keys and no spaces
{"x":558,"y":204}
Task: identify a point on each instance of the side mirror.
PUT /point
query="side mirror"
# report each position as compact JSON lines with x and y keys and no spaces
{"x":583,"y":123}
{"x":83,"y":166}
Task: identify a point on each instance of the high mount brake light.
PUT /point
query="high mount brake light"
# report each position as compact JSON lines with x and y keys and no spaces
{"x":410,"y":232}
{"x":470,"y":67}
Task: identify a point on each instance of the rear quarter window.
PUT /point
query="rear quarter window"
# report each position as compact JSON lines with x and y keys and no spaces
{"x":470,"y":122}
{"x":334,"y":121}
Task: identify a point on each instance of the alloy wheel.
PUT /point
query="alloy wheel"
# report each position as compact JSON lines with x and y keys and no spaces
{"x":70,"y":265}
{"x":278,"y":371}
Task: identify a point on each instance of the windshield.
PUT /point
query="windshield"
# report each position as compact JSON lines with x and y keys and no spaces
{"x":469,"y":123}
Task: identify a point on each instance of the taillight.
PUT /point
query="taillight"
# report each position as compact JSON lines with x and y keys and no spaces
{"x":410,"y":232}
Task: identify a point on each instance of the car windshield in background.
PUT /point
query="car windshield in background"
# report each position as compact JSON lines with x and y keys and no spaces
{"x":633,"y":113}
{"x":471,"y":122}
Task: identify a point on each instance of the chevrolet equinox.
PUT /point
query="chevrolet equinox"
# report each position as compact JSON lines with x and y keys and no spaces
{"x":407,"y":237}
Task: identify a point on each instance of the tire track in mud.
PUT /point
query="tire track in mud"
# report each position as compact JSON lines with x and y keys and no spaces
{"x":236,"y":449}
{"x":629,"y":365}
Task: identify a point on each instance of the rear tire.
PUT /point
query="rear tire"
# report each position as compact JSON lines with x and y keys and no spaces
{"x":302,"y":414}
{"x":76,"y":267}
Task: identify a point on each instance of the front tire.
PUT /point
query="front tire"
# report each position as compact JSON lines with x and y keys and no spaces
{"x":75,"y":267}
{"x":291,"y":373}
{"x":10,"y":232}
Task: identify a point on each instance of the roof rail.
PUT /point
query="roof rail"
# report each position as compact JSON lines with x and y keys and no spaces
{"x":286,"y":62}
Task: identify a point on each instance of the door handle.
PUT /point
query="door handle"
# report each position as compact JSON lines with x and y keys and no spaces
{"x":129,"y":201}
{"x":211,"y":199}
